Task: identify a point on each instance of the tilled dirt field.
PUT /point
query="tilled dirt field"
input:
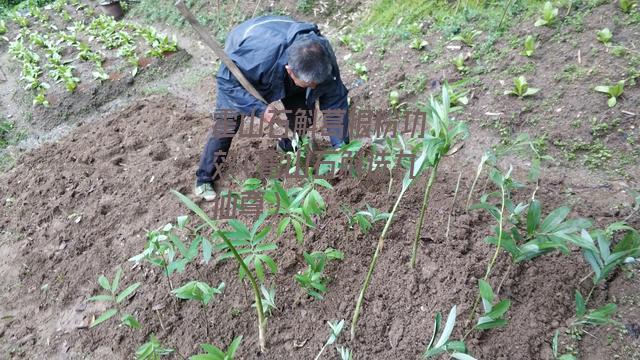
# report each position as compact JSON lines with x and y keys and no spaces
{"x":81,"y":207}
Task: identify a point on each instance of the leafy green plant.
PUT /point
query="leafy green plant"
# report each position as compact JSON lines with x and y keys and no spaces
{"x":198,"y":291}
{"x":336,"y":329}
{"x":421,"y":163}
{"x":493,"y":313}
{"x":455,"y":348}
{"x":289,"y":206}
{"x":22,"y":21}
{"x":215,"y":353}
{"x":467,"y":37}
{"x":418,"y":44}
{"x":3,"y":27}
{"x":152,"y":350}
{"x":614,"y":92}
{"x":548,"y":16}
{"x":604,"y":258}
{"x":41,"y":98}
{"x":394,"y":99}
{"x":361,"y":71}
{"x":243,"y":266}
{"x":312,"y":280}
{"x":554,"y":349}
{"x":115,"y":298}
{"x":600,"y":316}
{"x":521,"y":88}
{"x":250,"y":242}
{"x":366,"y":218}
{"x":444,"y":133}
{"x":268,"y":299}
{"x":100,"y":75}
{"x":458,"y":62}
{"x":529,"y":46}
{"x":356,"y":44}
{"x":604,"y":36}
{"x":627,"y":5}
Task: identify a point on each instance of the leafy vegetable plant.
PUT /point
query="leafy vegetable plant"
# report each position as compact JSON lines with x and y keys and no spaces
{"x":467,"y":37}
{"x":215,"y":353}
{"x":313,"y":279}
{"x":604,"y":36}
{"x":458,"y":62}
{"x":455,"y":348}
{"x":529,"y":46}
{"x":614,"y":92}
{"x":115,"y":298}
{"x":627,"y":5}
{"x":418,"y":44}
{"x":521,"y":88}
{"x":548,"y":16}
{"x":152,"y":350}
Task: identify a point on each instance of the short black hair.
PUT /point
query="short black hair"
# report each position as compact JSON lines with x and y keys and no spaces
{"x":309,"y":60}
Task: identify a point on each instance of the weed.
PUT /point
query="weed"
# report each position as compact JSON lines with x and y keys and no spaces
{"x":521,"y":88}
{"x":215,"y":353}
{"x":115,"y":298}
{"x":614,"y":92}
{"x":313,"y":280}
{"x":394,"y":99}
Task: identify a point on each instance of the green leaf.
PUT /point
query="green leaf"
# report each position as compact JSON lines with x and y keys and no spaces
{"x":126,"y":292}
{"x":533,"y":217}
{"x":581,"y":308}
{"x":486,"y":292}
{"x":499,"y":309}
{"x":448,"y":327}
{"x":461,"y":356}
{"x":554,"y":218}
{"x":104,"y":298}
{"x":298,"y":229}
{"x":104,"y":317}
{"x":323,"y":183}
{"x":491,"y":324}
{"x":207,"y":250}
{"x":282,"y":226}
{"x":104,"y":282}
{"x":436,"y":329}
{"x":130,"y":321}
{"x":567,"y":357}
{"x":116,"y":280}
{"x":612,"y":101}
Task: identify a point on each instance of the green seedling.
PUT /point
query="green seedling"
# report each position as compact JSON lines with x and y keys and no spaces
{"x":529,"y":46}
{"x":152,"y":350}
{"x":548,"y":16}
{"x":604,"y":259}
{"x":627,"y":5}
{"x":313,"y":280}
{"x":41,"y":98}
{"x":159,"y":44}
{"x":614,"y":92}
{"x":200,"y":292}
{"x":340,"y":159}
{"x":356,"y":44}
{"x":345,"y":353}
{"x":243,"y":266}
{"x":289,"y":206}
{"x":250,"y":242}
{"x":22,"y":21}
{"x":361,"y":71}
{"x":418,"y":44}
{"x":521,"y":88}
{"x":215,"y":353}
{"x":458,"y":62}
{"x":445,"y":132}
{"x":420,"y":165}
{"x":454,"y":348}
{"x":493,"y":313}
{"x":268,"y":300}
{"x":600,"y":316}
{"x":366,"y":218}
{"x":394,"y":99}
{"x":467,"y":37}
{"x":85,"y":53}
{"x":336,"y":328}
{"x":100,"y":74}
{"x":115,"y":298}
{"x":3,"y":27}
{"x":604,"y":36}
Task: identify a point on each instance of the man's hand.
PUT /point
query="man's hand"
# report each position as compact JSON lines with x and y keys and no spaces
{"x":269,"y":113}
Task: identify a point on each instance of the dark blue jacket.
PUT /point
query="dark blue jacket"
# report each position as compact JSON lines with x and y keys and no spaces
{"x":259,"y":48}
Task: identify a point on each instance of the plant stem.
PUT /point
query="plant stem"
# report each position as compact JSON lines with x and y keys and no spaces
{"x":372,"y":266}
{"x":506,"y":8}
{"x":425,"y":202}
{"x":453,"y":204}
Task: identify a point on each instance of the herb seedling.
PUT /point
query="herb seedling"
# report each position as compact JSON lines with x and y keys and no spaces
{"x":313,"y":279}
{"x":366,"y":218}
{"x":3,"y":27}
{"x":458,"y":62}
{"x":336,"y":329}
{"x":614,"y":92}
{"x":600,"y":316}
{"x":268,"y":299}
{"x":243,"y":266}
{"x":115,"y":298}
{"x":529,"y":46}
{"x":290,"y":207}
{"x":467,"y":37}
{"x":604,"y":36}
{"x":361,"y":70}
{"x":455,"y":348}
{"x":200,"y":292}
{"x":554,"y":348}
{"x":352,"y":42}
{"x":604,"y":259}
{"x":215,"y":353}
{"x":152,"y":350}
{"x":493,"y":313}
{"x":418,"y":44}
{"x":394,"y":99}
{"x":548,"y":15}
{"x":521,"y":88}
{"x":627,"y":5}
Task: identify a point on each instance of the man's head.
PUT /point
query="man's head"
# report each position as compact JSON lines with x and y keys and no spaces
{"x":309,"y":64}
